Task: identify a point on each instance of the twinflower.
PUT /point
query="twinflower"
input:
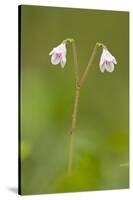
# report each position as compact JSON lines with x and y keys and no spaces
{"x":58,"y":55}
{"x":107,"y":61}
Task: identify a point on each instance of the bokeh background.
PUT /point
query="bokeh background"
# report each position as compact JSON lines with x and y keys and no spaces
{"x":101,"y":157}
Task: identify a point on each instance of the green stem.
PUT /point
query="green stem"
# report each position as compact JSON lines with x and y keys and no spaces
{"x":74,"y":114}
{"x":72,"y":133}
{"x":76,"y":68}
{"x":89,"y":63}
{"x":77,"y":94}
{"x":75,"y":61}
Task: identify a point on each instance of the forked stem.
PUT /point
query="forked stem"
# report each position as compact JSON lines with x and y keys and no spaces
{"x":74,"y":114}
{"x":90,"y":62}
{"x":79,"y":83}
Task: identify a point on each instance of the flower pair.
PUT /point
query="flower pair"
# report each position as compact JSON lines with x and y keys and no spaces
{"x":58,"y":56}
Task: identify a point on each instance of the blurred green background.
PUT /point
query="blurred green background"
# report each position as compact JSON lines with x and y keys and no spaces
{"x":47,"y":95}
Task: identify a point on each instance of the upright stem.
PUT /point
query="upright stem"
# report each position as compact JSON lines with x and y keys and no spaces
{"x":79,"y":83}
{"x":74,"y":114}
{"x":72,"y":133}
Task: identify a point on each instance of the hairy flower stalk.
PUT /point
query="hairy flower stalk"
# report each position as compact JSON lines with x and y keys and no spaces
{"x":58,"y":56}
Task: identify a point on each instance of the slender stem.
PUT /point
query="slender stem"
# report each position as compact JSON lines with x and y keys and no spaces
{"x":74,"y":114}
{"x":72,"y":134}
{"x":75,"y":61}
{"x":89,"y":64}
{"x":77,"y":94}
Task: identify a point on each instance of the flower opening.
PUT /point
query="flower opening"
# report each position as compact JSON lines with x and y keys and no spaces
{"x":107,"y":61}
{"x":58,"y":55}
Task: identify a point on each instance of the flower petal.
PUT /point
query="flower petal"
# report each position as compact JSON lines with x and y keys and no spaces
{"x":107,"y":61}
{"x":55,"y":60}
{"x":102,"y":59}
{"x":110,"y":67}
{"x":63,"y":61}
{"x":102,"y":67}
{"x":109,"y":57}
{"x":114,"y":60}
{"x":51,"y":52}
{"x":60,"y":48}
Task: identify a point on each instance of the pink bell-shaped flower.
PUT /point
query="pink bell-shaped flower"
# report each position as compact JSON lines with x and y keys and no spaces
{"x":58,"y":55}
{"x":107,"y":61}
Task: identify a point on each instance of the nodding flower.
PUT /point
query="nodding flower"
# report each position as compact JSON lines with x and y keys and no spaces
{"x":107,"y":61}
{"x":58,"y":55}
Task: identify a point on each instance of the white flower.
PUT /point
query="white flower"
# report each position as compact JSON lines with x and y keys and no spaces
{"x":58,"y":55}
{"x":107,"y":61}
